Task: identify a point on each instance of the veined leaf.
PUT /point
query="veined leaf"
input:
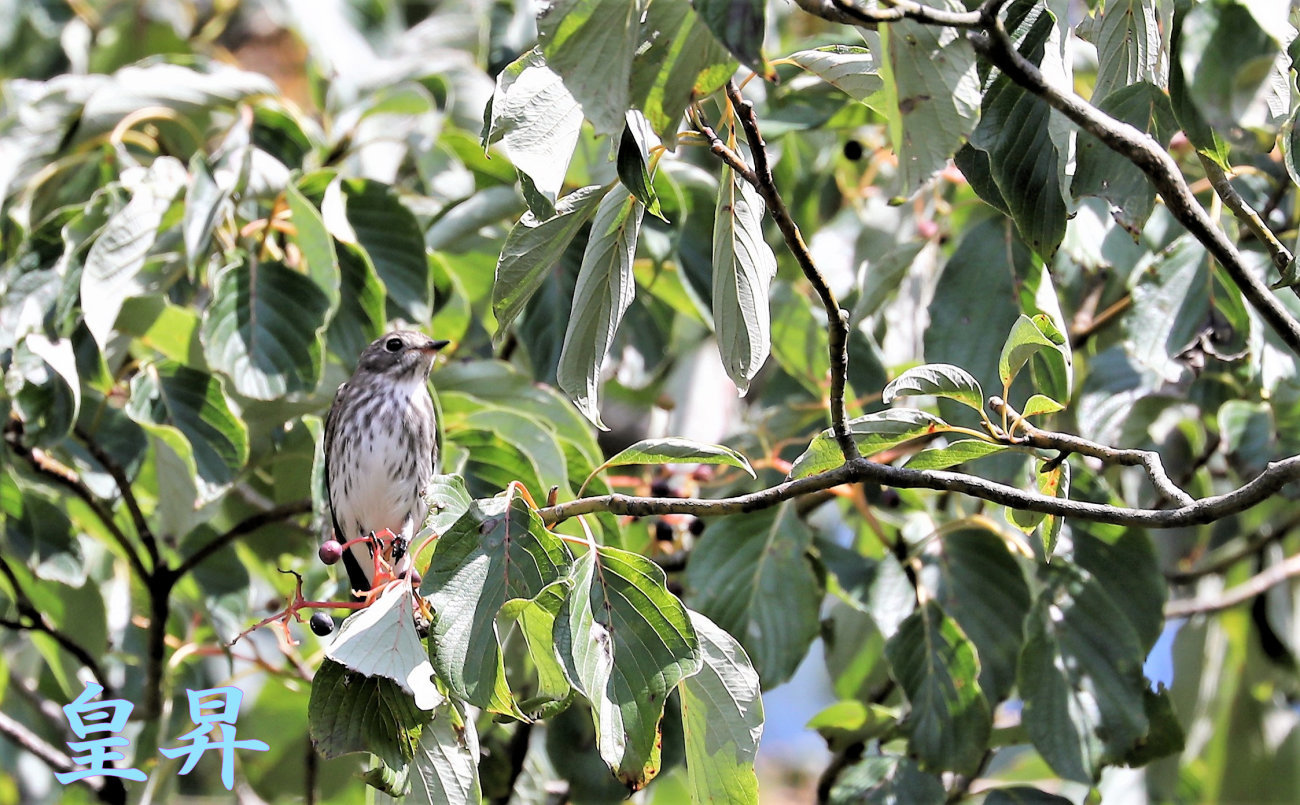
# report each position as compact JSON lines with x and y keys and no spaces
{"x":316,"y":244}
{"x":677,"y":451}
{"x":391,"y":237}
{"x":937,"y":380}
{"x":381,"y":640}
{"x":872,"y":433}
{"x":497,"y":551}
{"x":1053,"y":481}
{"x":634,"y":162}
{"x":1027,"y":337}
{"x":949,"y":722}
{"x":351,"y":712}
{"x":722,"y":718}
{"x":591,"y":43}
{"x":444,"y":770}
{"x":604,"y":291}
{"x":1040,"y":404}
{"x":743,"y":267}
{"x":740,"y":25}
{"x":750,"y":576}
{"x":958,"y":452}
{"x":848,"y":68}
{"x":533,"y":248}
{"x":1128,"y":47}
{"x":625,"y":642}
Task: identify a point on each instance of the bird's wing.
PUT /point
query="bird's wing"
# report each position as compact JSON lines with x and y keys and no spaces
{"x":357,"y":575}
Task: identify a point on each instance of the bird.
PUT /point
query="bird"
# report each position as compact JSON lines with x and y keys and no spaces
{"x":380,"y":451}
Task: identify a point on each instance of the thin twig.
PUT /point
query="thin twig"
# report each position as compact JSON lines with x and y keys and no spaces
{"x":837,"y":317}
{"x":1259,"y":583}
{"x":1246,"y":214}
{"x":850,"y":13}
{"x":1230,"y":553}
{"x":246,"y":526}
{"x":720,"y":149}
{"x":52,"y":470}
{"x":1206,"y":510}
{"x":1148,"y":460}
{"x":118,"y":474}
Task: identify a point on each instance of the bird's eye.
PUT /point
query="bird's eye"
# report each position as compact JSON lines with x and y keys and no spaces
{"x":393,"y":344}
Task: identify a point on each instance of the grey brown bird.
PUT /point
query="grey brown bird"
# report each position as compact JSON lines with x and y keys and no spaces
{"x":380,"y":449}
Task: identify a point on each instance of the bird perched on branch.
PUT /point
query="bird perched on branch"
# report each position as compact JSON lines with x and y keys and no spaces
{"x":380,"y":451}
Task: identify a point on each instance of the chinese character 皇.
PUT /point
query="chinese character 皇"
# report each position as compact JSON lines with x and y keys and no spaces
{"x":86,"y":717}
{"x":226,"y":712}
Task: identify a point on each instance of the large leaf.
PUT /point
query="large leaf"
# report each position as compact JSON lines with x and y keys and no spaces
{"x":845,"y":67}
{"x":115,"y":267}
{"x":604,"y":291}
{"x":1028,"y":337}
{"x":1227,"y":59}
{"x":740,"y":25}
{"x":537,"y":120}
{"x":937,"y":98}
{"x":743,"y":267}
{"x":722,"y":718}
{"x":352,"y":712}
{"x":938,"y":380}
{"x":1080,"y":675}
{"x":625,"y":642}
{"x":497,"y":551}
{"x":263,"y":329}
{"x":317,"y":246}
{"x":170,"y":394}
{"x":677,"y":451}
{"x":872,"y":433}
{"x":1128,"y":47}
{"x":950,"y":455}
{"x":751,"y":577}
{"x":444,"y":770}
{"x":591,"y":43}
{"x":532,"y":250}
{"x":1014,"y":131}
{"x":935,"y":663}
{"x":1171,"y":306}
{"x":391,"y":237}
{"x":381,"y":640}
{"x":885,"y":780}
{"x":986,"y":592}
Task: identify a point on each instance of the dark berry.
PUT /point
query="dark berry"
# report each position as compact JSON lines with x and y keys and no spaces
{"x":413,"y":575}
{"x":321,"y":623}
{"x":853,"y":150}
{"x":696,"y":526}
{"x":330,"y":552}
{"x":661,"y":489}
{"x":663,"y":531}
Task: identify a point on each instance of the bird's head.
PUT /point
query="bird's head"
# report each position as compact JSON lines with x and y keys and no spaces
{"x":401,"y":354}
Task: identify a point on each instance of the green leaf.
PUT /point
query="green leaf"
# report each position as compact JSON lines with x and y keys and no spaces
{"x":317,"y":246}
{"x":1226,"y":57}
{"x":1128,"y":47}
{"x":986,"y":592}
{"x":444,"y":770}
{"x":1248,"y":434}
{"x":359,"y":318}
{"x":1080,"y":675}
{"x":722,"y":718}
{"x":1023,"y":795}
{"x":262,"y":329}
{"x":625,"y":642}
{"x":1039,"y":404}
{"x":497,"y":551}
{"x":1171,"y":306}
{"x":633,"y":163}
{"x":949,"y":722}
{"x":537,"y":120}
{"x":849,"y":721}
{"x":677,"y":451}
{"x":352,"y":712}
{"x":1190,"y":119}
{"x":43,"y":381}
{"x":448,"y":502}
{"x":677,"y":61}
{"x":535,"y":620}
{"x":954,"y":453}
{"x":937,"y":380}
{"x":1107,"y":174}
{"x":884,"y":780}
{"x":799,"y":340}
{"x":532,"y":250}
{"x":881,"y":277}
{"x":1052,"y":478}
{"x":740,"y":25}
{"x":168,"y":393}
{"x":937,"y":96}
{"x":604,"y":291}
{"x":845,"y":67}
{"x":1129,"y":569}
{"x":381,"y":641}
{"x":743,"y":267}
{"x":1165,"y":736}
{"x":1027,"y":338}
{"x":750,"y":576}
{"x":1023,"y":158}
{"x":204,"y":202}
{"x":115,"y":266}
{"x":591,"y":43}
{"x":194,"y":94}
{"x":391,"y":237}
{"x":873,"y":433}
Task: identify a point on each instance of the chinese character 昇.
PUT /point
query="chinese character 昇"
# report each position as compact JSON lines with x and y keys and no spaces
{"x":86,"y":717}
{"x":226,"y":711}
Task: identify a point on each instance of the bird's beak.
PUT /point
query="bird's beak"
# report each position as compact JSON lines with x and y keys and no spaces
{"x":434,"y":346}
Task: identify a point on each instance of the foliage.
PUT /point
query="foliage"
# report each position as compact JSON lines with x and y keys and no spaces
{"x":829,"y":265}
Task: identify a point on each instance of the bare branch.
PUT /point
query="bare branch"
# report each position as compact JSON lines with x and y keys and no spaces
{"x":720,"y":149}
{"x":1232,"y":552}
{"x":850,"y":13}
{"x":246,"y":526}
{"x":837,"y":317}
{"x":1272,"y":576}
{"x":1148,"y":460}
{"x":1200,"y":512}
{"x":118,"y":474}
{"x":1246,"y":214}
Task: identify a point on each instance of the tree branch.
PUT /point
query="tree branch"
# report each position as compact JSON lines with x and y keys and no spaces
{"x":1259,"y":583}
{"x":1246,"y":214}
{"x":107,"y":789}
{"x":837,"y":317}
{"x":52,"y":470}
{"x":1139,"y":148}
{"x":1232,"y":552}
{"x":850,"y":13}
{"x":116,"y":471}
{"x":720,"y":149}
{"x":1200,"y":512}
{"x":246,"y":526}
